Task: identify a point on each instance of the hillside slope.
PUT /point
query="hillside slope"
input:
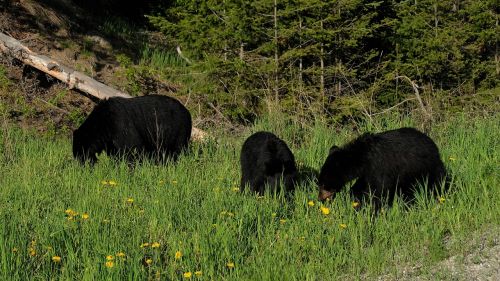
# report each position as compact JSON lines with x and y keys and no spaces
{"x":65,"y":33}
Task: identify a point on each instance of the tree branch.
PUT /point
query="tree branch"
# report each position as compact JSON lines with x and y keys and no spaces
{"x":417,"y":93}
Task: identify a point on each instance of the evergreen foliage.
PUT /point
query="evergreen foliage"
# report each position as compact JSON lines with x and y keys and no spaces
{"x":345,"y":58}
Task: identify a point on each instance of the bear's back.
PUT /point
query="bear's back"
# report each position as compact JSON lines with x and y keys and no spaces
{"x":264,"y":159}
{"x":406,"y":141}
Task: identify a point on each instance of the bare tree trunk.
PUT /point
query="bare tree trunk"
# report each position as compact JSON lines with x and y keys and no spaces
{"x":436,"y":22}
{"x":225,"y":37}
{"x":300,"y":59}
{"x":242,"y":51}
{"x":497,"y":57}
{"x":276,"y":62}
{"x":322,"y":67}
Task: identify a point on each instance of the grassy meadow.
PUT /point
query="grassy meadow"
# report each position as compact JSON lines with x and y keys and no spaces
{"x":187,"y":220}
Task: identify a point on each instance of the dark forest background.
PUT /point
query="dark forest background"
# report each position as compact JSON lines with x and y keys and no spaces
{"x":339,"y":58}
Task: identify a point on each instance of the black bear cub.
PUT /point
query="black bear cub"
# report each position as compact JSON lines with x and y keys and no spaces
{"x":151,"y":126}
{"x":266,"y":160}
{"x":384,"y":164}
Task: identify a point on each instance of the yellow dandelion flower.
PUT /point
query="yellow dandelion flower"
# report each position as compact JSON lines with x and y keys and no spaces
{"x":441,"y":199}
{"x":230,"y":265}
{"x":178,"y":255}
{"x":355,"y":204}
{"x":104,"y":182}
{"x":32,"y":252}
{"x":130,"y":200}
{"x":343,"y":225}
{"x":109,"y":264}
{"x":235,"y":189}
{"x":112,"y":183}
{"x":452,"y":158}
{"x":198,"y":273}
{"x":121,"y":255}
{"x":71,"y":213}
{"x":187,"y":274}
{"x":149,"y":261}
{"x":174,"y":182}
{"x":85,"y":216}
{"x":155,"y":245}
{"x":282,"y":221}
{"x":110,"y":258}
{"x":325,"y":210}
{"x":56,"y":259}
{"x":310,"y":203}
{"x":144,"y":245}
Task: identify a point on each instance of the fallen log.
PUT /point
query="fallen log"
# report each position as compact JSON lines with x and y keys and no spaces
{"x":74,"y":79}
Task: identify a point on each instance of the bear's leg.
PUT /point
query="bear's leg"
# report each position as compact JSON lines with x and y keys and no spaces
{"x":255,"y":184}
{"x":375,"y":192}
{"x":359,"y":190}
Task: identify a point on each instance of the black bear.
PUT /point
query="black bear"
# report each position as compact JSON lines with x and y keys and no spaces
{"x":384,"y":164}
{"x":266,"y":160}
{"x":151,"y":126}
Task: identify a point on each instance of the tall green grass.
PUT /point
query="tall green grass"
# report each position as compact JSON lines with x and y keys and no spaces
{"x":191,"y":207}
{"x":160,"y":59}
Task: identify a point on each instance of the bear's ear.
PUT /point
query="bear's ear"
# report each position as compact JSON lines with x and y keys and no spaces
{"x":333,"y":149}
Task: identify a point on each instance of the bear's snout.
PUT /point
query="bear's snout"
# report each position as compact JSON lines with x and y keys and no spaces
{"x":324,"y":194}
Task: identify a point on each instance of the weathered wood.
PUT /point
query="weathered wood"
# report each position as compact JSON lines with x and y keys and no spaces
{"x":198,"y":135}
{"x":417,"y":94}
{"x":74,"y":79}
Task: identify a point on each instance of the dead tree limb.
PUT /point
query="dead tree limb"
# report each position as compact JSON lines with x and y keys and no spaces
{"x":417,"y":93}
{"x":74,"y":79}
{"x":179,"y":52}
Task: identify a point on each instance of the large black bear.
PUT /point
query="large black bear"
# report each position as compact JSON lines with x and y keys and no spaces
{"x":266,"y":160}
{"x":153,"y":126}
{"x":384,"y":164}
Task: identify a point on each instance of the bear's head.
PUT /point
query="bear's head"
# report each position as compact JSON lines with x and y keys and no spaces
{"x":83,"y":148}
{"x":330,"y":178}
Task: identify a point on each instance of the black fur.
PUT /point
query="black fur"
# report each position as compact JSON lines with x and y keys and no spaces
{"x":151,"y":126}
{"x":384,"y":164}
{"x":265,"y":161}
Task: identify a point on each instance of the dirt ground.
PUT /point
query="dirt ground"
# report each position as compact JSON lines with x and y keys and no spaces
{"x":480,"y":260}
{"x":64,"y":33}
